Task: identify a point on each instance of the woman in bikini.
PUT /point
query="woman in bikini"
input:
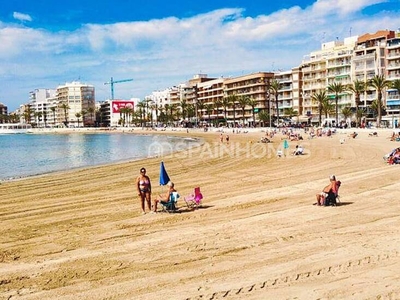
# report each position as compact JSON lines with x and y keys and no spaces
{"x":143,"y":185}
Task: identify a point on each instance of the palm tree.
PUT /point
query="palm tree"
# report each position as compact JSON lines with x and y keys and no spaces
{"x":200,"y":107}
{"x":320,"y":98}
{"x":209,"y":109}
{"x":53,"y":109}
{"x":65,"y":108}
{"x":78,"y":116}
{"x":243,"y":101}
{"x":153,"y":107}
{"x":217,"y":105}
{"x":327,"y":107}
{"x":253,"y":104}
{"x":291,"y":112}
{"x":375,"y":107}
{"x":263,"y":116}
{"x":45,"y":118}
{"x":123,"y":112}
{"x":336,"y":88}
{"x":190,"y":111}
{"x":225,"y":104}
{"x":83,"y":113}
{"x":346,"y":112}
{"x":396,"y":85}
{"x":357,"y":89}
{"x":379,"y":83}
{"x":91,"y":111}
{"x":232,"y":103}
{"x":129,"y":114}
{"x":27,"y":114}
{"x":274,"y":89}
{"x":183,"y":106}
{"x":141,"y":106}
{"x":38,"y":115}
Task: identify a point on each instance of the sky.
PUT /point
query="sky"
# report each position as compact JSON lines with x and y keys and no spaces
{"x":160,"y":44}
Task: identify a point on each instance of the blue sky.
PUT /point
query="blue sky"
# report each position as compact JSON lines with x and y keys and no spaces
{"x":45,"y":43}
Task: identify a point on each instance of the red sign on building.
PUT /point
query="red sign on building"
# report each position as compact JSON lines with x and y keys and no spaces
{"x":117,"y":105}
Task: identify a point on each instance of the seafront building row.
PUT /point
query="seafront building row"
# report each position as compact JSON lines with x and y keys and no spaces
{"x":202,"y":98}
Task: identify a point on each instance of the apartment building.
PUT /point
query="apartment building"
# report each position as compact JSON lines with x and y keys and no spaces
{"x":369,"y":60}
{"x":331,"y":64}
{"x":255,"y":86}
{"x":289,"y":94}
{"x":40,"y":103}
{"x":393,"y":73}
{"x":208,"y":93}
{"x":75,"y":104}
{"x":115,"y":113}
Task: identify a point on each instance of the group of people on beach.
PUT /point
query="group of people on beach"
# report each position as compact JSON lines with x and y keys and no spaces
{"x":143,"y":185}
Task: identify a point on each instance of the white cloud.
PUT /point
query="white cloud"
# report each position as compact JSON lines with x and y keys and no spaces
{"x":22,"y":17}
{"x":160,"y":53}
{"x":341,"y":7}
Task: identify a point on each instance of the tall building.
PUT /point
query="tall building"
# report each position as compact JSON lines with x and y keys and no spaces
{"x":392,"y":74}
{"x":115,"y":113}
{"x":289,"y":94}
{"x":254,"y":86}
{"x":331,"y":64}
{"x":40,"y":101}
{"x":75,"y":104}
{"x":369,"y":59}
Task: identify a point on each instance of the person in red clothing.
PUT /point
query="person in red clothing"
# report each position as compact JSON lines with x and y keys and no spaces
{"x":332,"y":187}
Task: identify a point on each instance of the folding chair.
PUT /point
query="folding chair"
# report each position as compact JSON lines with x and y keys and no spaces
{"x":194,"y":200}
{"x":171,"y":204}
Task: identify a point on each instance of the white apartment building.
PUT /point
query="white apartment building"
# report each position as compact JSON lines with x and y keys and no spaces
{"x":289,"y":94}
{"x":40,"y":102}
{"x":115,"y":113}
{"x":324,"y":67}
{"x":369,"y":60}
{"x":75,"y":104}
{"x":393,"y":73}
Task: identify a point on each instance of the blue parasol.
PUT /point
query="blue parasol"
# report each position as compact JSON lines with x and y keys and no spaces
{"x":164,"y":178}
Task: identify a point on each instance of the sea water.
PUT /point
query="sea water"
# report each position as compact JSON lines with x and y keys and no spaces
{"x":23,"y":155}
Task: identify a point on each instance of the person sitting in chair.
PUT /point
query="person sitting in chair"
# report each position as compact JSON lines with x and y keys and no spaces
{"x":165,"y":198}
{"x":332,"y":187}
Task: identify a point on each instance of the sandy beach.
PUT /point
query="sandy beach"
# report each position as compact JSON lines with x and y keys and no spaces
{"x":80,"y":234}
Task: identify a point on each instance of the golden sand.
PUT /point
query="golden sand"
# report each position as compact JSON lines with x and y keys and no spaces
{"x":80,"y":235}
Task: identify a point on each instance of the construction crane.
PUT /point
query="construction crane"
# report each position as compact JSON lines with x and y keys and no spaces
{"x":112,"y":81}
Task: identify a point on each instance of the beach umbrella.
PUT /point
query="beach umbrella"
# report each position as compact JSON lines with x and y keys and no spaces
{"x":164,"y":178}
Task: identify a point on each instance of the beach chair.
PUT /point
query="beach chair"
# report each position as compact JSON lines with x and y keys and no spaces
{"x":170,"y":205}
{"x":333,"y":198}
{"x":194,"y":200}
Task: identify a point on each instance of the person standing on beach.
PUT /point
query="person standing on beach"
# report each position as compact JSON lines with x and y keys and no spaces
{"x":143,"y":186}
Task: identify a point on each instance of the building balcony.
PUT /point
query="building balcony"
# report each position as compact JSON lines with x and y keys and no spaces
{"x":393,"y":66}
{"x":393,"y":76}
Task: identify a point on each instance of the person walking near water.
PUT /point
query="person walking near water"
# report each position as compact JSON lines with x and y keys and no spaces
{"x":143,"y":186}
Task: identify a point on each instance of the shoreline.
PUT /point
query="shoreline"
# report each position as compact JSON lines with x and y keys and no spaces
{"x":80,"y":234}
{"x":165,"y":151}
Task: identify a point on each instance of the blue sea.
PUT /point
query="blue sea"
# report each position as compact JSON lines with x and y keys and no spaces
{"x":23,"y":155}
